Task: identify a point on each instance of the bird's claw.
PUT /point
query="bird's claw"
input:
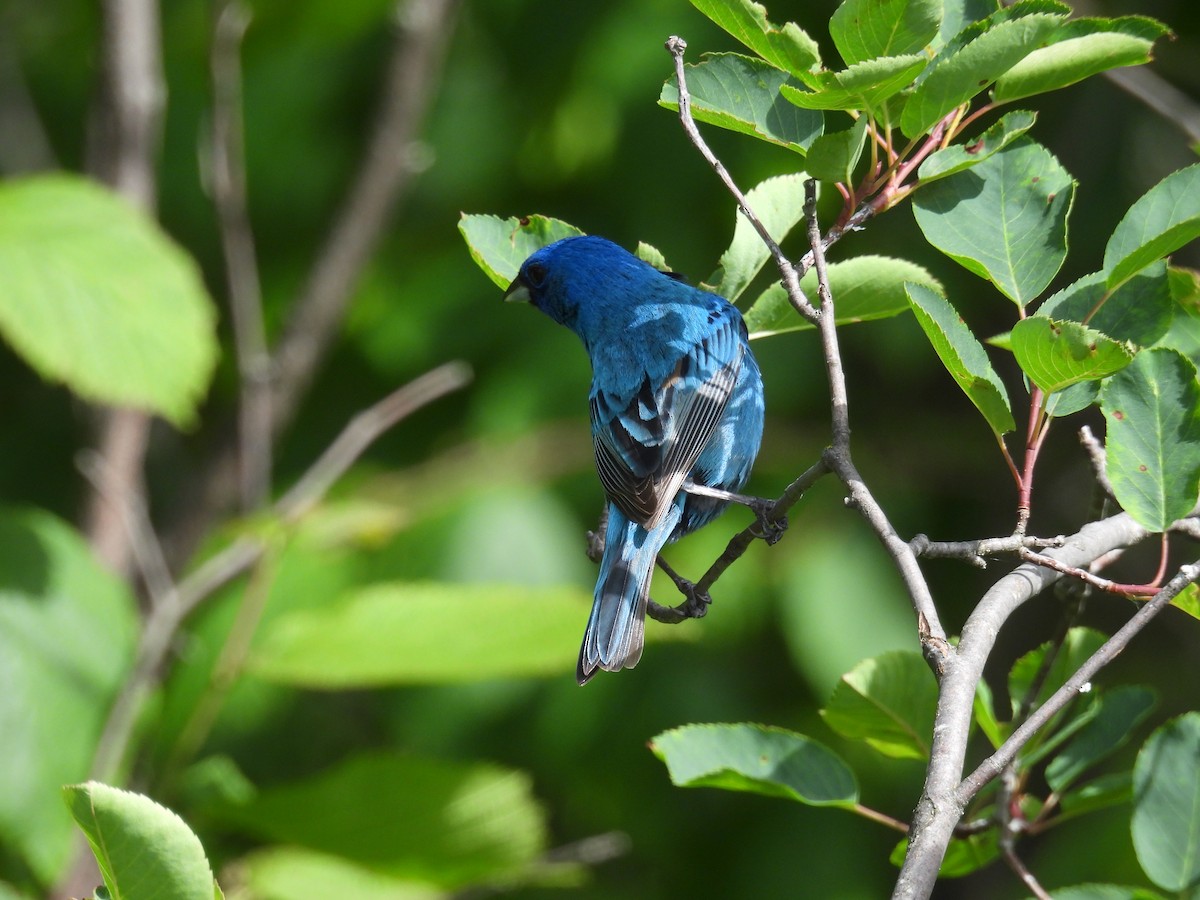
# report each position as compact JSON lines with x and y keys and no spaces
{"x":697,"y":603}
{"x":767,"y":526}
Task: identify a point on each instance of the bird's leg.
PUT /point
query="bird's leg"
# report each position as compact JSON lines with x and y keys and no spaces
{"x":697,"y":602}
{"x":769,"y":528}
{"x":595,"y":539}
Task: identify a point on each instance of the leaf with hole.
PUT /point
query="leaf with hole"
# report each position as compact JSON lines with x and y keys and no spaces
{"x":1057,"y":354}
{"x":499,"y":246}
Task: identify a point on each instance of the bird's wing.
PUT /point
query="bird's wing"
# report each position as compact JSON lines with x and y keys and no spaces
{"x":646,"y":446}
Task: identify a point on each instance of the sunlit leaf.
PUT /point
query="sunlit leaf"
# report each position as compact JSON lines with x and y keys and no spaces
{"x":961,"y":75}
{"x":1056,"y":354}
{"x":1004,"y":219}
{"x":865,"y":29}
{"x":743,"y":94}
{"x":786,"y":47}
{"x":1152,"y":413}
{"x":1188,"y":600}
{"x":145,"y":851}
{"x":1140,"y":310}
{"x":406,"y":633}
{"x":889,"y":702}
{"x":864,"y":288}
{"x":443,"y":822}
{"x":1078,"y":50}
{"x":1164,"y":219}
{"x":97,"y":297}
{"x":779,"y":204}
{"x":499,"y":246}
{"x":758,"y":759}
{"x":962,"y":355}
{"x":864,"y":85}
{"x":68,"y":628}
{"x":958,"y":157}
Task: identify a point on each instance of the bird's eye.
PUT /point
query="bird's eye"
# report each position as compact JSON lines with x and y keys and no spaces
{"x":535,"y":274}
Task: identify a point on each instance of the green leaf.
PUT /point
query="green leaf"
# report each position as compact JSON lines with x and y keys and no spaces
{"x":1188,"y":600}
{"x":1114,"y":789}
{"x":1119,"y":711}
{"x":68,"y":628}
{"x":962,"y":355}
{"x":284,"y":873}
{"x":1080,"y":644}
{"x":865,"y":29}
{"x":1004,"y":219}
{"x":779,"y":204}
{"x":652,"y":255}
{"x":889,"y":702}
{"x":864,"y":288}
{"x":97,"y":297}
{"x":984,"y":710}
{"x":863,"y":86}
{"x":958,"y":157}
{"x":1080,"y":49}
{"x":1152,"y":412}
{"x":1164,"y":219}
{"x":962,"y":74}
{"x":442,"y":822}
{"x":1139,"y":311}
{"x":1056,"y":354}
{"x":963,"y":855}
{"x":743,"y":94}
{"x":1184,"y":333}
{"x":426,"y":633}
{"x":499,"y":246}
{"x":834,"y":155}
{"x":1105,"y":892}
{"x":759,"y":759}
{"x":787,"y":47}
{"x":1166,"y":806}
{"x":145,"y":851}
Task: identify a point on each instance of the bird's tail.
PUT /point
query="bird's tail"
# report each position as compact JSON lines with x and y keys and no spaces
{"x":615,"y":630}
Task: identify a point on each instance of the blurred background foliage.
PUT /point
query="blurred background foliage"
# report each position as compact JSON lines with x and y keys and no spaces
{"x":551,"y":108}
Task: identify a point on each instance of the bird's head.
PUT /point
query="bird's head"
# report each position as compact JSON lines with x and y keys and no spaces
{"x":561,"y":276}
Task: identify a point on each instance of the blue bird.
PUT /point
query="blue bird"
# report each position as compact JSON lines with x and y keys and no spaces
{"x":676,"y":407}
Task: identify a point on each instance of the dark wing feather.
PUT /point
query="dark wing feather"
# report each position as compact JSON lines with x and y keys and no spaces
{"x":646,"y":448}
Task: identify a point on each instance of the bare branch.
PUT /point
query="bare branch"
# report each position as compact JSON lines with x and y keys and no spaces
{"x":125,"y":134}
{"x":423,"y":27}
{"x":241,"y":263}
{"x":167,"y":617}
{"x":975,"y":552}
{"x":941,"y":805}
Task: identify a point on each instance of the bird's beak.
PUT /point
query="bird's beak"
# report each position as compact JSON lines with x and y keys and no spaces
{"x":517,"y":292}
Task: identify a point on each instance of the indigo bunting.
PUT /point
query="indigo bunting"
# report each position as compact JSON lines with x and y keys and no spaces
{"x":676,"y":407}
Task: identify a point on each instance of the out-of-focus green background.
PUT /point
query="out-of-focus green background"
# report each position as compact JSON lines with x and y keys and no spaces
{"x":551,"y":108}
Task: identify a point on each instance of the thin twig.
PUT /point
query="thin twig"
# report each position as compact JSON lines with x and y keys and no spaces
{"x":975,"y":553}
{"x":791,"y":278}
{"x":167,"y":617}
{"x":1113,"y":587}
{"x":230,"y":21}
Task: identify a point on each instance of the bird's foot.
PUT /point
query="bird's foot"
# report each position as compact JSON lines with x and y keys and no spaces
{"x":767,"y":526}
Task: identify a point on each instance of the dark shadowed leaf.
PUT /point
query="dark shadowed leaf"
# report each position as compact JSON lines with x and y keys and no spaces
{"x":1139,"y":311}
{"x":1166,"y":805}
{"x":1121,"y":708}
